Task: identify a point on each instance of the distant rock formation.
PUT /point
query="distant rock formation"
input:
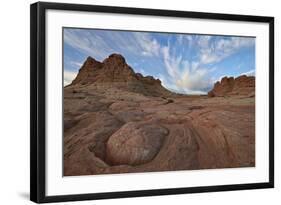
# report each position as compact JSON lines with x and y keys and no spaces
{"x":114,"y":69}
{"x":229,"y":86}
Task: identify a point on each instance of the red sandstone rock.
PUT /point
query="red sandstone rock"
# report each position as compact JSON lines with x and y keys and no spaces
{"x":114,"y":69}
{"x":241,"y":86}
{"x":135,"y":143}
{"x":115,"y":124}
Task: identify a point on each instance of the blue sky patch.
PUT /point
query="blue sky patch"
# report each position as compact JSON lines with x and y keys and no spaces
{"x":185,"y":63}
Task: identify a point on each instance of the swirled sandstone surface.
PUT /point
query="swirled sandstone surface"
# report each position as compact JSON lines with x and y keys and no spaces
{"x":118,"y":121}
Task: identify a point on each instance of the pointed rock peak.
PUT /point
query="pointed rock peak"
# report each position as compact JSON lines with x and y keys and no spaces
{"x":115,"y":69}
{"x":91,"y":61}
{"x":115,"y":58}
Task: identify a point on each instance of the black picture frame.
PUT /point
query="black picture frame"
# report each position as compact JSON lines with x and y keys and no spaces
{"x":38,"y":101}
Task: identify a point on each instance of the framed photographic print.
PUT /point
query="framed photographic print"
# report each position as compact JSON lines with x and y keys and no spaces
{"x":129,"y":102}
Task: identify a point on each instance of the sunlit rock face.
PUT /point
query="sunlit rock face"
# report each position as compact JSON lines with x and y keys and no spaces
{"x":228,"y":86}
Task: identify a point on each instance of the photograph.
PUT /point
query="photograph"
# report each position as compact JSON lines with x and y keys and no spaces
{"x":143,"y":101}
{"x":135,"y":102}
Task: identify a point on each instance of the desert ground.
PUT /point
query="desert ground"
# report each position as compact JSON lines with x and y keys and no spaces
{"x":118,"y":121}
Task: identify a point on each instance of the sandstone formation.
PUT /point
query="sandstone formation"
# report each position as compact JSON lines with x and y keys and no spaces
{"x":117,"y":121}
{"x":240,"y":86}
{"x":135,"y":143}
{"x":116,"y":72}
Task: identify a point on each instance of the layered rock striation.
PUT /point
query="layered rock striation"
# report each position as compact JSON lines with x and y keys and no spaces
{"x":116,"y":72}
{"x":229,"y":86}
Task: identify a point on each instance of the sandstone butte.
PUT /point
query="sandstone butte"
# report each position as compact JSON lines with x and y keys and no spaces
{"x":118,"y":121}
{"x":242,"y":86}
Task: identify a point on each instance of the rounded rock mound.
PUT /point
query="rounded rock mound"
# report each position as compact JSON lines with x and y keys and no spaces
{"x":135,"y":143}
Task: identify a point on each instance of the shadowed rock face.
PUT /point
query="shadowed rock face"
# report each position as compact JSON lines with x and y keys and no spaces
{"x":241,"y":86}
{"x":118,"y":121}
{"x":114,"y":69}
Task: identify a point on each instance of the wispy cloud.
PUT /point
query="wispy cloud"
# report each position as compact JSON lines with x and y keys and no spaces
{"x":68,"y":77}
{"x":185,"y":77}
{"x":150,"y":46}
{"x":87,"y":42}
{"x":249,"y":73}
{"x":184,"y":63}
{"x":100,"y":43}
{"x":195,"y":75}
{"x":213,"y":49}
{"x":77,"y":64}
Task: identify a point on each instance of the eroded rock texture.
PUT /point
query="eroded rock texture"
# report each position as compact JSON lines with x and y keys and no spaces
{"x":118,"y":121}
{"x":135,"y":143}
{"x":241,"y":86}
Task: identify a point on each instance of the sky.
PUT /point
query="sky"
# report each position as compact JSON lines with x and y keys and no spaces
{"x":185,"y":63}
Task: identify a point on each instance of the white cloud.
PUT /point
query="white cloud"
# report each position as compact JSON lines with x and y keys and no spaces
{"x":76,"y":64}
{"x":213,"y":51}
{"x":172,"y":63}
{"x":68,"y":77}
{"x":249,"y":73}
{"x":143,"y":72}
{"x":185,"y":77}
{"x":188,"y":61}
{"x":204,"y":41}
{"x":168,"y":84}
{"x":87,"y":42}
{"x":99,"y":44}
{"x":149,"y":46}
